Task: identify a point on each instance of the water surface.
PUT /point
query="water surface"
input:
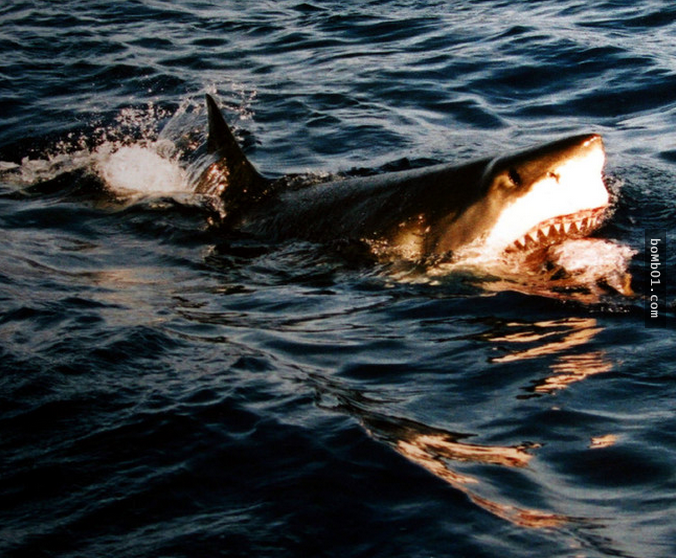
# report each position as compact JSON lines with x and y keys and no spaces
{"x":167,"y":390}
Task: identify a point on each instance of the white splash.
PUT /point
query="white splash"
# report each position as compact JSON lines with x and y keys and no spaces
{"x":592,"y":264}
{"x":31,"y":171}
{"x":129,"y":157}
{"x":140,"y":169}
{"x":590,"y":260}
{"x":7,"y":166}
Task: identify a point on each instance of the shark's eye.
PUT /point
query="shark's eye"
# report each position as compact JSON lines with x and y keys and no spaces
{"x":514,"y":176}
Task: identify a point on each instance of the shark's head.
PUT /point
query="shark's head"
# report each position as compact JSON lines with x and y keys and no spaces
{"x":533,"y":198}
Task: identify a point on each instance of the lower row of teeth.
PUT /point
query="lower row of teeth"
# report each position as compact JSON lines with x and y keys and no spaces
{"x":566,"y":227}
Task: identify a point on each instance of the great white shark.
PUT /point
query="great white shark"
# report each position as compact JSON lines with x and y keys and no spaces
{"x":510,"y":203}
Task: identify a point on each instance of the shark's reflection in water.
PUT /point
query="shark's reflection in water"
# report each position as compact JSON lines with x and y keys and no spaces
{"x":440,"y":452}
{"x":564,"y":346}
{"x":444,"y":453}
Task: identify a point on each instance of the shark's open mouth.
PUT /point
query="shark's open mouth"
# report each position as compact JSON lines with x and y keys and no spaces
{"x":558,"y":229}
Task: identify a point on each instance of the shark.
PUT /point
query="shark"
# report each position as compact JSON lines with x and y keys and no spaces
{"x":511,"y":203}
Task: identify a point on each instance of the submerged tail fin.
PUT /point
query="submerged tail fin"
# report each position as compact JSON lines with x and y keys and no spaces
{"x":232,"y":177}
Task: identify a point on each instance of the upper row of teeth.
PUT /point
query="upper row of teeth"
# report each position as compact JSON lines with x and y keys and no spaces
{"x":567,"y":227}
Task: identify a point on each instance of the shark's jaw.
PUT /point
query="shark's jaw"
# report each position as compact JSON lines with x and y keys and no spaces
{"x":567,"y":200}
{"x":558,"y":229}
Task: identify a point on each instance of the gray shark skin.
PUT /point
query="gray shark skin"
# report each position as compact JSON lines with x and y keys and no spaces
{"x":531,"y":198}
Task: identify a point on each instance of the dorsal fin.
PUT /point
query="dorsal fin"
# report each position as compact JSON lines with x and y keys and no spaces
{"x":220,"y":136}
{"x":232,"y":176}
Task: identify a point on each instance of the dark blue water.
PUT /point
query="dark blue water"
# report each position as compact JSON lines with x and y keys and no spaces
{"x":168,"y":391}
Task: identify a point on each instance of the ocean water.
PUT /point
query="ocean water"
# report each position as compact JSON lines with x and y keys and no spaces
{"x":169,"y":390}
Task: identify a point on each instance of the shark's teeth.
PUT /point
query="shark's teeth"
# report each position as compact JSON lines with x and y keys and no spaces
{"x":557,"y":229}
